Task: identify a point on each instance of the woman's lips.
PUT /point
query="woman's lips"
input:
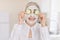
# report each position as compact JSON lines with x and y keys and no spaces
{"x":31,"y":18}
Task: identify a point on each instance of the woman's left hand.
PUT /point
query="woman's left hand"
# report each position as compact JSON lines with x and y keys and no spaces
{"x":42,"y":19}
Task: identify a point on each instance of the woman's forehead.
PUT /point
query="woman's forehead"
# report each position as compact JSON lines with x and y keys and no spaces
{"x":32,"y":7}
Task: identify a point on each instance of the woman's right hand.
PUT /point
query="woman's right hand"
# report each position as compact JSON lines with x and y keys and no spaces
{"x":21,"y":17}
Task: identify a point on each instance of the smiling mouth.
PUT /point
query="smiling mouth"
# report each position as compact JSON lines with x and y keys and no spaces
{"x":31,"y":18}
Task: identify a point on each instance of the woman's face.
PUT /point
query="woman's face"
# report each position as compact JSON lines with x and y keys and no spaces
{"x":31,"y":14}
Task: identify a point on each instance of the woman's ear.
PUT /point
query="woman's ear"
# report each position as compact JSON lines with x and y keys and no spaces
{"x":39,"y":20}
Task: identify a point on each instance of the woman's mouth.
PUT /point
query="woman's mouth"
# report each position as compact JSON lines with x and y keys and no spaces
{"x":31,"y":18}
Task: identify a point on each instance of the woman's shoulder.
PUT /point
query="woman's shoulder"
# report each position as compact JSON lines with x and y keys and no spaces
{"x":17,"y":26}
{"x":40,"y":26}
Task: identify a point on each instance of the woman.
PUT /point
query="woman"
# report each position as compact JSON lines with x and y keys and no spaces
{"x":31,"y":26}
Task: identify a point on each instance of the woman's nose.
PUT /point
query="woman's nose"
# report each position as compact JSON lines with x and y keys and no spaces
{"x":32,"y":11}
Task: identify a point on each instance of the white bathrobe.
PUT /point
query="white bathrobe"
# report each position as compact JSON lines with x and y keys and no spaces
{"x":20,"y":32}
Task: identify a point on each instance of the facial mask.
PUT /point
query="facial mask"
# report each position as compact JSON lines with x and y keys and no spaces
{"x":31,"y":11}
{"x":31,"y":22}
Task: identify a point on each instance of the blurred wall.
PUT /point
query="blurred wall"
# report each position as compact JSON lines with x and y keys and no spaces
{"x":13,"y":7}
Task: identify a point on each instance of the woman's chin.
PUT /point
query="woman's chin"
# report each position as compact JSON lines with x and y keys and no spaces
{"x":31,"y":22}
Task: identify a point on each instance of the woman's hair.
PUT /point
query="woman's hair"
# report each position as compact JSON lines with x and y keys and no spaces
{"x":31,"y":4}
